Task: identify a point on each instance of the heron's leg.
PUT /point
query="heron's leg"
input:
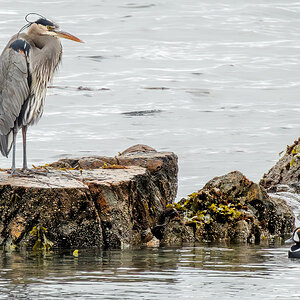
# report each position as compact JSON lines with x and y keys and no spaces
{"x":13,"y":165}
{"x":25,"y":167}
{"x":24,"y":131}
{"x":14,"y":172}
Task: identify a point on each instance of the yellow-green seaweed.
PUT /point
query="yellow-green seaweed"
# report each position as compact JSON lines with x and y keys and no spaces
{"x":208,"y":206}
{"x":42,"y":242}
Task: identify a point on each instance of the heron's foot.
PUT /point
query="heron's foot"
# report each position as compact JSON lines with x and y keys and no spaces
{"x":15,"y":173}
{"x":35,"y":172}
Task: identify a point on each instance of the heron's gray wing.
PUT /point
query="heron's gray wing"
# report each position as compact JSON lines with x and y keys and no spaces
{"x":14,"y":91}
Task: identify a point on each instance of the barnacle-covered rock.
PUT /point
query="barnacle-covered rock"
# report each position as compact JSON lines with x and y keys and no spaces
{"x":285,"y":172}
{"x":128,"y":200}
{"x":88,"y":202}
{"x":233,"y":208}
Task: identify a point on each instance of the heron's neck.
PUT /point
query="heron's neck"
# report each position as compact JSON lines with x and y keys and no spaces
{"x":43,"y":41}
{"x":40,"y":40}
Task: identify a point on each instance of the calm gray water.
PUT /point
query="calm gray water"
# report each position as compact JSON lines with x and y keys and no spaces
{"x":202,"y":272}
{"x":229,"y":69}
{"x":217,"y":82}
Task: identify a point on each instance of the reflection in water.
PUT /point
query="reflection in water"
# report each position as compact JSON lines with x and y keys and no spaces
{"x":150,"y":273}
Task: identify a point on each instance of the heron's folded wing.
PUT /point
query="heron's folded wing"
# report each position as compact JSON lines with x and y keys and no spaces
{"x":14,"y":87}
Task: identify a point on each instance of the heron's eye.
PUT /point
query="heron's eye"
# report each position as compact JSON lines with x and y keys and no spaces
{"x":50,"y":27}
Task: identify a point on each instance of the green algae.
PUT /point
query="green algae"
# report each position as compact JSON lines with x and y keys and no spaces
{"x":42,"y":242}
{"x":208,"y":206}
{"x":294,"y":152}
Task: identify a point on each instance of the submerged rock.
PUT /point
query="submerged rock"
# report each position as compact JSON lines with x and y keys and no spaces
{"x":231,"y":208}
{"x":86,"y":202}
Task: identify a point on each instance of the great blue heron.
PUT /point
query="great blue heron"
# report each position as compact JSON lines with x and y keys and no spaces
{"x":27,"y":64}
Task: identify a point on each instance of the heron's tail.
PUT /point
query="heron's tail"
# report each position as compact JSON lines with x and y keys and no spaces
{"x":6,"y":142}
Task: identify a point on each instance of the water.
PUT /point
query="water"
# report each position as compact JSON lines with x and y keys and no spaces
{"x":292,"y":200}
{"x":201,"y":272}
{"x":217,"y":82}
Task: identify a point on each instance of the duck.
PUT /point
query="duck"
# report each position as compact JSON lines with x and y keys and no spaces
{"x":294,"y":252}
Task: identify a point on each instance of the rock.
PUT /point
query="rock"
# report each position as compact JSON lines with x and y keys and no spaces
{"x":89,"y":163}
{"x":235,"y":209}
{"x":126,"y":200}
{"x":86,"y":163}
{"x":274,"y":217}
{"x":154,"y":242}
{"x":177,"y":234}
{"x":285,"y":172}
{"x":171,"y":229}
{"x":162,"y":166}
{"x":79,"y":205}
{"x":138,"y":149}
{"x":242,"y":232}
{"x":146,"y":235}
{"x":149,"y":239}
{"x":58,"y":202}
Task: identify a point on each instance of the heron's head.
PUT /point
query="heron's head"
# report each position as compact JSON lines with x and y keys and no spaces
{"x":47,"y":27}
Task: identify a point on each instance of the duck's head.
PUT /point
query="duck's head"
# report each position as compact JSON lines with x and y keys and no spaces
{"x":295,"y":236}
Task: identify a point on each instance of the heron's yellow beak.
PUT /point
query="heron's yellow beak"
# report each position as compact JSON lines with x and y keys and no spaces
{"x":69,"y":36}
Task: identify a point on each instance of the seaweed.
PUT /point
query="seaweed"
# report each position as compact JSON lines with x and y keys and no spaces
{"x":114,"y":166}
{"x":207,"y":206}
{"x":295,"y":152}
{"x":42,"y":242}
